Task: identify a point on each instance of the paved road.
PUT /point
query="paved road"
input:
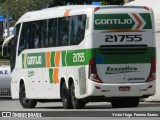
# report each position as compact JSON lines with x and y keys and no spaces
{"x":14,"y":105}
{"x":92,"y":111}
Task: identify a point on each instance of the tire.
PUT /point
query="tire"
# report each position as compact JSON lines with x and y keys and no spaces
{"x":76,"y":103}
{"x":133,"y":102}
{"x":26,"y":103}
{"x":116,"y":104}
{"x":125,"y":102}
{"x":66,"y":97}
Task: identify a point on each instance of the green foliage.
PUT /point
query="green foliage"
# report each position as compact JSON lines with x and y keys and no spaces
{"x":19,"y":7}
{"x":104,"y":2}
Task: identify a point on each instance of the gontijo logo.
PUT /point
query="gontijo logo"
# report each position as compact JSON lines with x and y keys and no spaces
{"x":132,"y":21}
{"x":34,"y":60}
{"x":113,"y":21}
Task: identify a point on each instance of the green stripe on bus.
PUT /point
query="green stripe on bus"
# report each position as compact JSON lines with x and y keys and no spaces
{"x":120,"y":21}
{"x":52,"y":59}
{"x":83,"y":56}
{"x":127,"y":58}
{"x":36,"y":60}
{"x":23,"y":61}
{"x":78,"y":57}
{"x":147,"y":19}
{"x":51,"y":75}
{"x":63,"y":58}
{"x":105,"y":21}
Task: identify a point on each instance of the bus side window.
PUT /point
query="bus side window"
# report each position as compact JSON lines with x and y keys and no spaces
{"x":73,"y":30}
{"x":43,"y":34}
{"x":77,"y":29}
{"x":23,"y":43}
{"x":37,"y":34}
{"x":52,"y":32}
{"x":63,"y":31}
{"x":34,"y":35}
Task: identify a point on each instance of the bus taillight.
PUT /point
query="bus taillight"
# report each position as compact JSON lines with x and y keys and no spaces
{"x":145,"y":7}
{"x":96,"y":8}
{"x":93,"y":71}
{"x":152,"y":75}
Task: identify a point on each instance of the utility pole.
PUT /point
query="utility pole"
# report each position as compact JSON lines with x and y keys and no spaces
{"x":0,"y":7}
{"x":7,"y":17}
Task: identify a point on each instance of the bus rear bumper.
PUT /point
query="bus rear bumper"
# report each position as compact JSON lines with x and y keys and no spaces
{"x":121,"y":90}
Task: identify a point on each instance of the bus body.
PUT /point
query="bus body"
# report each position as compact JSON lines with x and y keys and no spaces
{"x":79,"y":54}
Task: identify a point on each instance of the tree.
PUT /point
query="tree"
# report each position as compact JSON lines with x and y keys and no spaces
{"x":115,"y":2}
{"x":104,"y":2}
{"x":18,"y":7}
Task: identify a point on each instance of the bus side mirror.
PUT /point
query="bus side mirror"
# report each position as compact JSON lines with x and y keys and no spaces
{"x":5,"y":46}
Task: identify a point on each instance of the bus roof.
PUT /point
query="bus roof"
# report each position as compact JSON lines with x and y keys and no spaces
{"x":60,"y":10}
{"x":51,"y":12}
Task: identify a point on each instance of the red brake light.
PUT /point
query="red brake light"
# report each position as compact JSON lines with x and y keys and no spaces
{"x":96,"y":8}
{"x":147,"y":8}
{"x":93,"y":71}
{"x":152,"y":75}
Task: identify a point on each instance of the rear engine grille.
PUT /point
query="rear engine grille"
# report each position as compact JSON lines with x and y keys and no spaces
{"x":123,"y":49}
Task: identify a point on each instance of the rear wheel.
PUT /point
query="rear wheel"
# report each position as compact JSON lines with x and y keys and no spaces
{"x":133,"y":102}
{"x":125,"y":102}
{"x":26,"y":103}
{"x":116,"y":104}
{"x":66,"y":97}
{"x":76,"y":103}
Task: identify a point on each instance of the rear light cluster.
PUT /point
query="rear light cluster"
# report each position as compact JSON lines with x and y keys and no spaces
{"x":152,"y":74}
{"x":93,"y":71}
{"x":145,"y":7}
{"x":96,"y":8}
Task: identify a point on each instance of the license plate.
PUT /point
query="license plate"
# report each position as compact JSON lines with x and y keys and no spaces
{"x":124,"y":88}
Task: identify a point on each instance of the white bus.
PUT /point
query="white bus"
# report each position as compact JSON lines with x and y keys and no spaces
{"x":81,"y":54}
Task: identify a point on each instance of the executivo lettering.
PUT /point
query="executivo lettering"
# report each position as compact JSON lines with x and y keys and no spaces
{"x":112,"y":70}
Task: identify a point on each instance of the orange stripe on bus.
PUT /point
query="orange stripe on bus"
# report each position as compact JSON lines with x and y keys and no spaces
{"x":55,"y":75}
{"x":67,"y":12}
{"x":139,"y":21}
{"x":48,"y":55}
{"x":57,"y":58}
{"x":122,"y":31}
